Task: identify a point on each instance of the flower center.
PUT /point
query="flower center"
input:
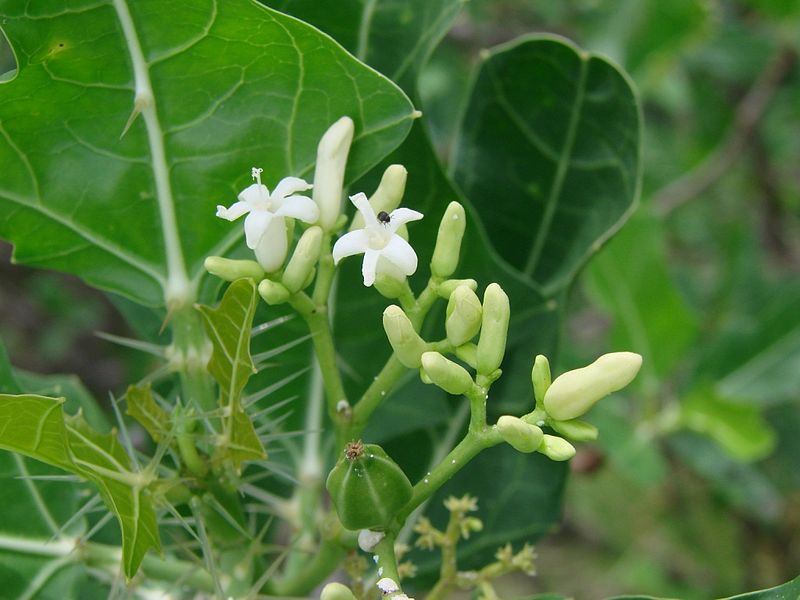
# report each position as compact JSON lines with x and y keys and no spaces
{"x":378,"y":237}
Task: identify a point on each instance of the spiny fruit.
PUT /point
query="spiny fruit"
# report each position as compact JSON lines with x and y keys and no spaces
{"x":367,"y":487}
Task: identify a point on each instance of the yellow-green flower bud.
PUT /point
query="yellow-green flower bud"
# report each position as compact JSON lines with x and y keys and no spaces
{"x":388,"y":195}
{"x":519,"y":434}
{"x":575,"y":392}
{"x":389,"y":285}
{"x":540,"y":377}
{"x":303,"y":260}
{"x":329,"y":173}
{"x":448,"y":241}
{"x":446,"y":288}
{"x":273,"y":292}
{"x":494,"y":329}
{"x":463,"y":316}
{"x":468,"y":353}
{"x":231,"y":270}
{"x":336,"y":591}
{"x":556,"y":448}
{"x":451,"y":377}
{"x":406,"y":343}
{"x":575,"y":429}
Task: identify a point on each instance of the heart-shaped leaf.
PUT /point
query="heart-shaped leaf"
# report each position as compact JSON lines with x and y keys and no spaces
{"x":201,"y":94}
{"x":548,"y":152}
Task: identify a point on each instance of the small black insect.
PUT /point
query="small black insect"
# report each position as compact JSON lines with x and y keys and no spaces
{"x":384,"y":217}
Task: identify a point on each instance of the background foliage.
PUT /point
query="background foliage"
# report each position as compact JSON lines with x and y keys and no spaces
{"x":691,"y":490}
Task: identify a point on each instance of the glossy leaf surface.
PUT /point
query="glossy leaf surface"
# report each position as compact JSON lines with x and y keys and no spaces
{"x":548,"y":152}
{"x":221,"y":86}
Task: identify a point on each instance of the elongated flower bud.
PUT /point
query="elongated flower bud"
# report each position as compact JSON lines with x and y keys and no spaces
{"x":388,"y":195}
{"x":575,"y":392}
{"x":463,"y":316}
{"x":273,"y":292}
{"x":448,"y":241}
{"x":521,"y":435}
{"x":494,"y":329}
{"x":575,"y":429}
{"x":446,"y":288}
{"x":406,"y":343}
{"x":231,"y":270}
{"x":389,"y":284}
{"x":336,"y":591}
{"x":451,"y":377}
{"x":556,"y":448}
{"x":303,"y":260}
{"x":329,"y":173}
{"x":540,"y":377}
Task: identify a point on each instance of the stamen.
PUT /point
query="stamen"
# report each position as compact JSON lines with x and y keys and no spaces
{"x":255,"y":173}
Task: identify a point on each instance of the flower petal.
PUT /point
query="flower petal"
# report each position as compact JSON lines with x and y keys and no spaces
{"x":299,"y":207}
{"x":273,"y":246}
{"x":365,"y":208}
{"x":355,"y":242}
{"x":289,"y":185}
{"x":400,"y":253}
{"x":369,"y":266}
{"x":255,"y":225}
{"x":236,"y":210}
{"x":254,"y":193}
{"x":401,"y":216}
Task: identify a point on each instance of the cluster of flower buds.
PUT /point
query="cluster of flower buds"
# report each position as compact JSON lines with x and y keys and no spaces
{"x":561,"y":402}
{"x":466,"y":318}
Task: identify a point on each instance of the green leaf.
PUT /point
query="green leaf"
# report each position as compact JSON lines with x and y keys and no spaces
{"x":36,"y":426}
{"x":221,"y":86}
{"x":142,"y":407}
{"x":631,"y":280}
{"x":549,"y":155}
{"x":787,"y":591}
{"x":735,"y":425}
{"x":395,"y":38}
{"x":228,"y":328}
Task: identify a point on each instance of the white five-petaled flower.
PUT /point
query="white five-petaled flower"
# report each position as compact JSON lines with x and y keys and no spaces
{"x":378,"y":241}
{"x":264,"y":226}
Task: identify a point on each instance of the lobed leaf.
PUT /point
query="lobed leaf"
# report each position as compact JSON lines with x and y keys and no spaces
{"x":142,"y":407}
{"x":35,"y":426}
{"x":228,"y":327}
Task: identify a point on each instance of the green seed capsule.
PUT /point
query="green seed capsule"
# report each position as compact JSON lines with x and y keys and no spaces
{"x":367,"y":487}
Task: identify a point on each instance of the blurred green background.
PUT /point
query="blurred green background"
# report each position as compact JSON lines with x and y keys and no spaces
{"x":693,"y":490}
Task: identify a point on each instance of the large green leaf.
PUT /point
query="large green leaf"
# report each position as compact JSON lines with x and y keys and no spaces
{"x":788,"y":591}
{"x":229,"y":326}
{"x":395,"y":37}
{"x":221,"y":86}
{"x":36,"y":426}
{"x":33,"y":514}
{"x":548,"y":152}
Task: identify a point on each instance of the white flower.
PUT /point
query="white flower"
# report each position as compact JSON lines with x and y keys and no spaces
{"x":382,"y":248}
{"x":264,"y":227}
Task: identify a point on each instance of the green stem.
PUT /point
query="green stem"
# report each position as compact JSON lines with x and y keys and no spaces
{"x":190,"y":353}
{"x":316,"y":317}
{"x":386,"y":559}
{"x":325,"y":273}
{"x":380,"y":387}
